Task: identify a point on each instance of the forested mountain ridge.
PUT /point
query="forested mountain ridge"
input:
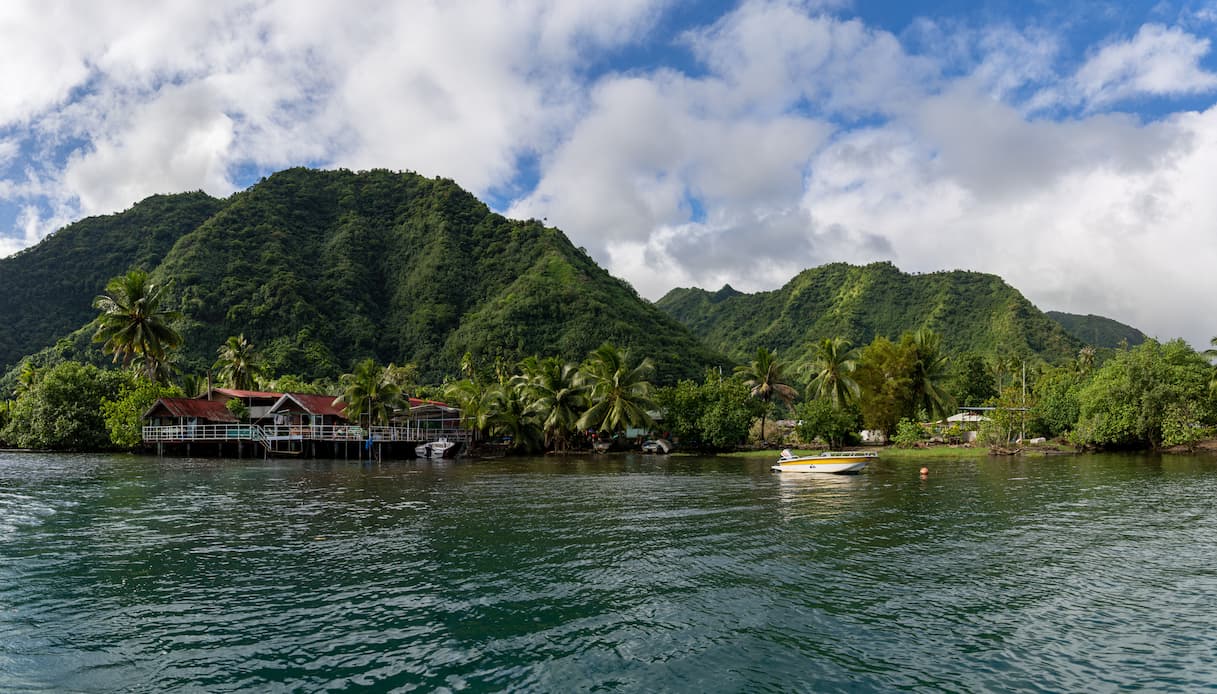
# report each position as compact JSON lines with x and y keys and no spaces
{"x":1097,"y":330}
{"x":46,"y":291}
{"x":320,"y":269}
{"x":972,"y":311}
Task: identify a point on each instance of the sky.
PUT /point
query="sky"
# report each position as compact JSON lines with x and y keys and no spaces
{"x":1068,"y":147}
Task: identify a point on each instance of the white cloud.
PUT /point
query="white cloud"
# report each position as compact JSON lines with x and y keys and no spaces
{"x":797,"y":139}
{"x":9,"y":148}
{"x":655,"y":148}
{"x":1124,"y":233}
{"x":175,"y":96}
{"x":1158,"y":61}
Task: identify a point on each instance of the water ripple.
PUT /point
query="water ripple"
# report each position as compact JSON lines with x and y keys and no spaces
{"x":624,"y":574}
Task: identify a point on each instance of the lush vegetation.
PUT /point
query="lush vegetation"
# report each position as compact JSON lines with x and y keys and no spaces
{"x":547,"y":402}
{"x":134,"y":326}
{"x":714,"y":415}
{"x":62,"y":408}
{"x":324,"y":269}
{"x":1098,"y":331}
{"x":48,"y":288}
{"x":971,"y":311}
{"x":312,"y":281}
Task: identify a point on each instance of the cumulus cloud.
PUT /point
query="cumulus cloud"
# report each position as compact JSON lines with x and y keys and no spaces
{"x":676,"y":178}
{"x":794,"y":138}
{"x":1119,"y":232}
{"x":121,"y":101}
{"x":1158,"y":61}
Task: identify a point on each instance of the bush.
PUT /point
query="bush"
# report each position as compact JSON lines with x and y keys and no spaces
{"x":238,"y":409}
{"x":124,"y":414}
{"x":63,"y":411}
{"x":835,"y":426}
{"x":908,"y":433}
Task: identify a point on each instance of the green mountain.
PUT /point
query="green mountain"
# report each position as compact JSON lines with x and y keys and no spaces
{"x":972,"y":311}
{"x":1097,"y":330}
{"x":48,"y":289}
{"x":323,"y":268}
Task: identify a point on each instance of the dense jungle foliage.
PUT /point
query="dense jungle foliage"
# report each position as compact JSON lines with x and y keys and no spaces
{"x":48,"y":289}
{"x":326,"y":268}
{"x":972,"y":312}
{"x":1098,"y":331}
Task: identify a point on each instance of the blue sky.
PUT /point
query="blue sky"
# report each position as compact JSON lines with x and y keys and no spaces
{"x":1067,"y":147}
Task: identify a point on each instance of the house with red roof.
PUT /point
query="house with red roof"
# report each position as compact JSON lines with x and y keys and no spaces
{"x":258,"y":402}
{"x":304,"y":409}
{"x":188,"y":411}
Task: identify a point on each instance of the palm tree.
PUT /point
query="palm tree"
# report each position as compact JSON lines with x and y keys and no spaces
{"x":478,"y":404}
{"x":512,"y":419}
{"x":553,"y":392}
{"x":27,"y":377}
{"x":1211,"y":353}
{"x":930,"y":373}
{"x":369,"y":390}
{"x":1086,"y":357}
{"x":835,"y":364}
{"x":239,"y":365}
{"x":764,"y":376}
{"x":619,"y":394}
{"x":132,"y":322}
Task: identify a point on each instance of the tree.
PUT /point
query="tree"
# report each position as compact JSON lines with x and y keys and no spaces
{"x":929,"y":372}
{"x":63,"y":410}
{"x":972,"y":381}
{"x":836,"y":426}
{"x":714,"y":415}
{"x":1085,"y":360}
{"x":1005,"y":421}
{"x":238,"y":365}
{"x":369,"y":391}
{"x":834,"y":364}
{"x":132,"y":322}
{"x":1057,"y":408}
{"x":124,"y":414}
{"x":552,"y":390}
{"x":1127,"y":403}
{"x":884,"y":369}
{"x":763,"y":375}
{"x":511,"y":418}
{"x":619,"y":394}
{"x":479,"y":404}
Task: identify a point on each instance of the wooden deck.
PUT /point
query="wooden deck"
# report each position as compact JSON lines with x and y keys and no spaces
{"x":285,"y":439}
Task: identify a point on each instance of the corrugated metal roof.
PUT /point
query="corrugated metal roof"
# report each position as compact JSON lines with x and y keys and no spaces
{"x":234,"y":393}
{"x":209,"y":410}
{"x":415,"y":402}
{"x":312,"y":404}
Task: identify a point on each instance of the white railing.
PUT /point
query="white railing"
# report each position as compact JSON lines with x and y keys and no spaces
{"x":182,"y":433}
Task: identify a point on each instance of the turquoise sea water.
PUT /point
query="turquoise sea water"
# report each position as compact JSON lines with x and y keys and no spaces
{"x":1086,"y":573}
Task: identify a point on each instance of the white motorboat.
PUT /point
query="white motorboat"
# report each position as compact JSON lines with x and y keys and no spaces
{"x":831,"y":462}
{"x":440,"y":448}
{"x":660,"y":446}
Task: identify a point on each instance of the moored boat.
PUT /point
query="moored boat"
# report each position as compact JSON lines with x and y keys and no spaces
{"x":440,"y":448}
{"x":831,"y":462}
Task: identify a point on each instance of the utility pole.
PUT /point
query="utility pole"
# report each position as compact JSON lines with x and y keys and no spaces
{"x":1022,"y":434}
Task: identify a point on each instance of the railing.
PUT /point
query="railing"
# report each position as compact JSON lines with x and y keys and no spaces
{"x":183,"y":433}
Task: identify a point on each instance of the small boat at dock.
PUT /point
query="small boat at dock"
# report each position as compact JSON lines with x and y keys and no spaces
{"x":441,"y":448}
{"x":830,"y":462}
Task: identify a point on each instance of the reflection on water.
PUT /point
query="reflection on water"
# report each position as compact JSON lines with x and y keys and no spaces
{"x":625,"y":573}
{"x":812,"y":496}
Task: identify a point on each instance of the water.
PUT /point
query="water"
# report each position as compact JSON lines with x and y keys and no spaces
{"x":1093,"y":573}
